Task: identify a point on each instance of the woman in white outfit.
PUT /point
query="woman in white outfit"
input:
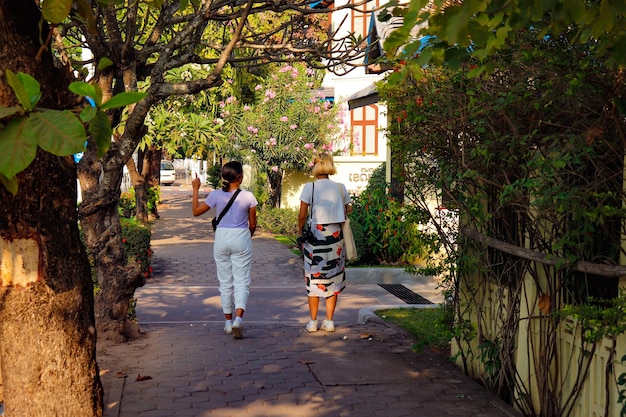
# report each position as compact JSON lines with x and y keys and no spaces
{"x":324,"y":258}
{"x":232,"y":248}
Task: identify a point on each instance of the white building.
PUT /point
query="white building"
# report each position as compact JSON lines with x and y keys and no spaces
{"x":366,"y":117}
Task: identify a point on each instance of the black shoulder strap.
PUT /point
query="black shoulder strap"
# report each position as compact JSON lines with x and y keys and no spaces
{"x":230,"y":203}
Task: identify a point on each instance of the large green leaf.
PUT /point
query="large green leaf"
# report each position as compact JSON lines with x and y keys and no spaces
{"x":18,"y":146}
{"x":26,"y":89}
{"x":59,"y":132}
{"x":56,"y":10}
{"x":100,"y":129}
{"x":123,"y":99}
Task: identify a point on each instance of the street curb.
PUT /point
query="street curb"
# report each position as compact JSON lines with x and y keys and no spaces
{"x":368,"y":314}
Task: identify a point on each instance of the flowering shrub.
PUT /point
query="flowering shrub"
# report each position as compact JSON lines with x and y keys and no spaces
{"x":283,"y":128}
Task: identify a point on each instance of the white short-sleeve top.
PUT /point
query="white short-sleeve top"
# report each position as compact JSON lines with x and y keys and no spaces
{"x":328,"y":204}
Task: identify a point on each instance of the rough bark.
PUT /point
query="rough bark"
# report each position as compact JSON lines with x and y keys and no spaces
{"x":47,"y":332}
{"x":275,"y":180}
{"x":117,"y":279}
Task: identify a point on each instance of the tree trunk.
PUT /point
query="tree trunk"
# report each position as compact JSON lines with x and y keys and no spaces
{"x":276,"y":183}
{"x":47,"y":332}
{"x":103,"y":235}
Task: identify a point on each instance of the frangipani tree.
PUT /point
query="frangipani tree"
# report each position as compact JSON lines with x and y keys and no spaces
{"x":288,"y":123}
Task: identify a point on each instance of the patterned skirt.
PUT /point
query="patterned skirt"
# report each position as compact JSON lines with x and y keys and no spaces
{"x":324,"y":261}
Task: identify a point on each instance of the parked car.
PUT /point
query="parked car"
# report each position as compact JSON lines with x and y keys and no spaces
{"x":168,"y":174}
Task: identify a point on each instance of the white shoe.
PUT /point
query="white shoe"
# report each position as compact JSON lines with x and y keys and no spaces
{"x":228,"y":327}
{"x":238,"y":328}
{"x":312,"y":326}
{"x":328,"y":326}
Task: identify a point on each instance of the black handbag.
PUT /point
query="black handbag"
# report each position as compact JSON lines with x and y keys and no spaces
{"x":217,"y":220}
{"x":307,"y":233}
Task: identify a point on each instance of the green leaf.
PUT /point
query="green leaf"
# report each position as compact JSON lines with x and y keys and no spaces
{"x":9,"y":183}
{"x":84,"y":89}
{"x":100,"y":129}
{"x":9,"y":111}
{"x":56,"y":11}
{"x":88,"y":113}
{"x":104,"y":63}
{"x":18,"y":146}
{"x":59,"y":132}
{"x":123,"y":99}
{"x":26,"y":89}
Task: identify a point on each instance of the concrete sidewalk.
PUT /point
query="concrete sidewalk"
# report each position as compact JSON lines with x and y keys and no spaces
{"x":184,"y":365}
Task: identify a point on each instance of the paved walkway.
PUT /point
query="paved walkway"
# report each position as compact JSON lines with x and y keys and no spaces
{"x":185,"y":366}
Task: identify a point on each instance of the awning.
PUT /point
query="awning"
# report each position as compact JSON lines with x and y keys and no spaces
{"x":364,"y":97}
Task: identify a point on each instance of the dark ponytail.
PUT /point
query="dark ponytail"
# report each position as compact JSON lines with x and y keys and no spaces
{"x":231,"y":172}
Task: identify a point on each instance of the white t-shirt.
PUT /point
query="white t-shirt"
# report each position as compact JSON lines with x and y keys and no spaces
{"x":237,"y":215}
{"x":328,"y":205}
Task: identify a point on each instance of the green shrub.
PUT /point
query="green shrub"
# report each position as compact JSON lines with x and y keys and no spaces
{"x":127,"y":206}
{"x":213,"y":175}
{"x":278,"y":221}
{"x":136,"y":239}
{"x":389,"y":231}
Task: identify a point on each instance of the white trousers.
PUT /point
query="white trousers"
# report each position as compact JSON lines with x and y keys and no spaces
{"x":232,"y":251}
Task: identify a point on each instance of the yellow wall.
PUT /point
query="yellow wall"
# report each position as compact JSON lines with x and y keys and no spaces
{"x":353,"y":171}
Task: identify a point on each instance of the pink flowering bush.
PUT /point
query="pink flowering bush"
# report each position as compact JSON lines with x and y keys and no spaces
{"x":288,"y":123}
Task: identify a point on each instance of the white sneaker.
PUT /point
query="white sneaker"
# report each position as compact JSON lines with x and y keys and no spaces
{"x":312,"y":326}
{"x":238,"y":328}
{"x":228,"y":327}
{"x":328,"y":326}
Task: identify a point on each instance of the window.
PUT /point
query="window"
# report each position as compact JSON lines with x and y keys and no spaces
{"x":361,"y":21}
{"x":364,"y":122}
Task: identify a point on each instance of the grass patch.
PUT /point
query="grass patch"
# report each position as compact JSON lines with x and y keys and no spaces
{"x":430,"y":326}
{"x":290,"y":242}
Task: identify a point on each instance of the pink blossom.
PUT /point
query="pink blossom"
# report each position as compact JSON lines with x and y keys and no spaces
{"x":316,"y":109}
{"x":230,"y":81}
{"x":246,"y":107}
{"x":231,"y":99}
{"x":253,"y":130}
{"x":275,"y":168}
{"x":270,"y":94}
{"x":284,"y":119}
{"x":273,"y":141}
{"x":258,"y":87}
{"x":308,"y":146}
{"x":293,"y":127}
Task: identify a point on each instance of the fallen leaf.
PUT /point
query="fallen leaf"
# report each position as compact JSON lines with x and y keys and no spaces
{"x":365,"y":335}
{"x":143,"y":378}
{"x":120,"y":374}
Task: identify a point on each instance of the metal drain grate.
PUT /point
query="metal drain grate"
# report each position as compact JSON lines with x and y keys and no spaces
{"x":405,"y":294}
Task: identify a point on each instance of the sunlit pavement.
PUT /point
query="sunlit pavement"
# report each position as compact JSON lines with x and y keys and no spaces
{"x":185,"y":365}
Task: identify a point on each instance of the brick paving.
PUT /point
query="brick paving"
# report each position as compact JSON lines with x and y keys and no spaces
{"x":185,"y":366}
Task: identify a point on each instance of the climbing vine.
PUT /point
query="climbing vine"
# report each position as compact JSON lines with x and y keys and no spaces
{"x":528,"y":159}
